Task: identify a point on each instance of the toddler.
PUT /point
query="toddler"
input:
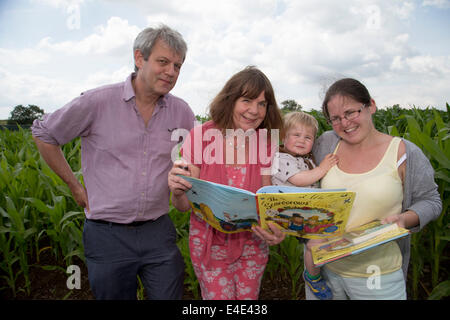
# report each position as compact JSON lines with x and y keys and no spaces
{"x":296,"y":167}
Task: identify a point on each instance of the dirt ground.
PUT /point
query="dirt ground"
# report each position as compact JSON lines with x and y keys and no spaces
{"x":51,"y":285}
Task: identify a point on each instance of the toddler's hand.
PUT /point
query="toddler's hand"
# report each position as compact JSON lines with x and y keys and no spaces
{"x":329,"y":161}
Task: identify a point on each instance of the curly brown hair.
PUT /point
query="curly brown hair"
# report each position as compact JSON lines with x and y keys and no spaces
{"x":248,"y":83}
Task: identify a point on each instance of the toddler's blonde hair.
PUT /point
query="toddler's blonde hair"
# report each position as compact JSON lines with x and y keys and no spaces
{"x":299,"y":118}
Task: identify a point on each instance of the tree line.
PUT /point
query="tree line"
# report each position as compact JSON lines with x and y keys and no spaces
{"x":22,"y":115}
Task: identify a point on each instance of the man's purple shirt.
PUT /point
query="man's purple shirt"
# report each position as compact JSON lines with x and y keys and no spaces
{"x":125,"y":163}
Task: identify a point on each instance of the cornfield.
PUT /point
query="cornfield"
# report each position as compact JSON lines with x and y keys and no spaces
{"x":38,"y":213}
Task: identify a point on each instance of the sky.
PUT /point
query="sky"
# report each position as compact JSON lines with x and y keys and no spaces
{"x":52,"y":50}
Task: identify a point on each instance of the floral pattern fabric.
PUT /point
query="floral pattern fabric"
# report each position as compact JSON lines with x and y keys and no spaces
{"x":228,"y":266}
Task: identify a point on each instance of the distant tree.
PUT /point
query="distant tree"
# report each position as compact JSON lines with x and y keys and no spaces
{"x":290,"y":106}
{"x":25,"y":115}
{"x":203,"y":118}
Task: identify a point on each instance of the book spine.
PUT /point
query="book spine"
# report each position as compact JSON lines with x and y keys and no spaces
{"x":332,"y":259}
{"x":257,"y":209}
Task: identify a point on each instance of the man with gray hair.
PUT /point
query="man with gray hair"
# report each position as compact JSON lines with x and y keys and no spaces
{"x":126,"y":144}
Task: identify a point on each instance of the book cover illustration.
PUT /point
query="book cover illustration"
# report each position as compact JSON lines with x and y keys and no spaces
{"x":314,"y":214}
{"x":231,"y":210}
{"x":368,"y":231}
{"x":358,"y":240}
{"x":225,"y":208}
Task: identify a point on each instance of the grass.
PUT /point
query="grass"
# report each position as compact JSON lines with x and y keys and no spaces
{"x":38,"y":216}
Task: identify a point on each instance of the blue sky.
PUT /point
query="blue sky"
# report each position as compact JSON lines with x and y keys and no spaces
{"x":51,"y":50}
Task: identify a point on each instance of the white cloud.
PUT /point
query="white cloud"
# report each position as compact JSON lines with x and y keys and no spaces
{"x":114,"y":38}
{"x":52,"y":73}
{"x":300,"y":45}
{"x":59,"y":3}
{"x":442,"y":4}
{"x":100,"y":78}
{"x":425,"y":66}
{"x":404,"y":11}
{"x":27,"y":57}
{"x":50,"y":92}
{"x":31,"y":89}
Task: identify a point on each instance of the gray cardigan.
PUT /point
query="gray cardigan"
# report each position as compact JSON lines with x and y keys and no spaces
{"x":420,"y":193}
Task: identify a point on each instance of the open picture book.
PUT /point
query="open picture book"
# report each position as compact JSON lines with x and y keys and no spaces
{"x":355,"y":241}
{"x":301,"y":212}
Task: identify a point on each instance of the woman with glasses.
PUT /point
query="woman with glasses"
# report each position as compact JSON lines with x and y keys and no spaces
{"x":393,"y":181}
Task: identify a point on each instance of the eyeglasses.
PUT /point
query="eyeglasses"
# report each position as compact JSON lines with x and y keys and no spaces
{"x":348,"y":115}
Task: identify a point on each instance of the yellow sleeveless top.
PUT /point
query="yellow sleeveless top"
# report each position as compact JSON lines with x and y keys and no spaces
{"x":379,"y":194}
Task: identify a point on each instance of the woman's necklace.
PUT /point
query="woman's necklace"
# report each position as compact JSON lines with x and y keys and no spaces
{"x":238,"y":141}
{"x":235,"y":145}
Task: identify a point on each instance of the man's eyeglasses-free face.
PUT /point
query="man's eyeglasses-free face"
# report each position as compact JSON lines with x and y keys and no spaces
{"x":348,"y":115}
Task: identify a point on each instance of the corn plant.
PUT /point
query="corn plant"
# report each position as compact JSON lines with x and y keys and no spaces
{"x":140,"y":293}
{"x":62,"y":228}
{"x":286,"y":261}
{"x":18,"y":230}
{"x":432,"y":136}
{"x":442,"y":290}
{"x":9,"y":258}
{"x":24,"y":181}
{"x":181,"y":222}
{"x":38,"y":213}
{"x":321,"y":120}
{"x":190,"y":279}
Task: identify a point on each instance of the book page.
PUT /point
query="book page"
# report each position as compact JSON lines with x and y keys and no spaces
{"x":313,"y":215}
{"x":227,"y":209}
{"x":291,"y":189}
{"x":340,"y":247}
{"x":369,"y":231}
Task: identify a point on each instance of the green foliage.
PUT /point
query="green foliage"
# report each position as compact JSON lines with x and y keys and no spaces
{"x":290,"y":106}
{"x":181,"y":221}
{"x":322,"y":121}
{"x":38,"y":213}
{"x":430,"y":131}
{"x":25,"y":115}
{"x":202,"y":119}
{"x":442,"y":290}
{"x":286,"y":261}
{"x":37,"y":210}
{"x":293,"y":106}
